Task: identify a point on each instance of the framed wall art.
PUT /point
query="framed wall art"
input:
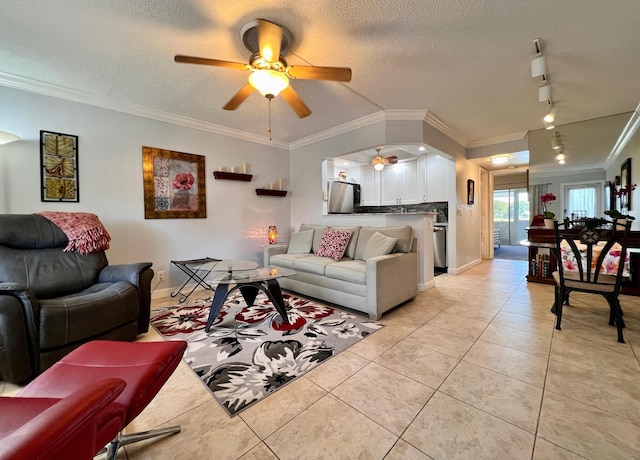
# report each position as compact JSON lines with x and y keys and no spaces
{"x":625,"y":183}
{"x":59,"y":167}
{"x":471,"y":192}
{"x":173,"y":184}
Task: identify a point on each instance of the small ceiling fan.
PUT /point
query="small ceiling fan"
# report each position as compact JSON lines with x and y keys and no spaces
{"x":379,"y":162}
{"x":270,"y":72}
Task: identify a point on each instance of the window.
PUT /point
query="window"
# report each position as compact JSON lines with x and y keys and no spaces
{"x":582,"y":200}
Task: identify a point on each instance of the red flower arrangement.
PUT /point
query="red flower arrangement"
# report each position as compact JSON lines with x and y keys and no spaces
{"x":624,"y":191}
{"x":546,"y":199}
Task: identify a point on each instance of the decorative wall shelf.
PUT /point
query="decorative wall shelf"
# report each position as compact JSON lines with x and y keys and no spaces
{"x":231,"y":176}
{"x":270,"y":192}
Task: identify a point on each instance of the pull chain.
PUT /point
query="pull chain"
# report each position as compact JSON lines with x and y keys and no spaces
{"x":270,"y":98}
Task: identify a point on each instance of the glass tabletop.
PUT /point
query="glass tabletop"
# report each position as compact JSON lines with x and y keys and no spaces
{"x":255,"y":275}
{"x":226,"y":265}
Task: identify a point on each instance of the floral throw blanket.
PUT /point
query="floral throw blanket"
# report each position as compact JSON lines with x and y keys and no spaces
{"x":609,"y":264}
{"x":85,"y":232}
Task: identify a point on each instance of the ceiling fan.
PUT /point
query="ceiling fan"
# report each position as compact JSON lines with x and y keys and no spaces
{"x":379,"y":162}
{"x":270,"y":72}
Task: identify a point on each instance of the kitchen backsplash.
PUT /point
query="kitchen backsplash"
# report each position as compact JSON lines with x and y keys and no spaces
{"x":441,"y":208}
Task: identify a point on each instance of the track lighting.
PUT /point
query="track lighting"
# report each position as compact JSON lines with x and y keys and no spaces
{"x":544,"y":93}
{"x":560,"y":157}
{"x":555,"y":143}
{"x":550,"y":117}
{"x":549,"y":124}
{"x":539,"y":63}
{"x":561,"y":162}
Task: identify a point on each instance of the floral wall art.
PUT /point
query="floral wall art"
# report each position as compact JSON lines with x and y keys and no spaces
{"x":173,"y":184}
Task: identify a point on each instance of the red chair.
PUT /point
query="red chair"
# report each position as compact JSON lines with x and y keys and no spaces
{"x":59,"y":429}
{"x":144,"y":366}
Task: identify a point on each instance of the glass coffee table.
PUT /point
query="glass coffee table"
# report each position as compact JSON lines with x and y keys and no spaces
{"x":240,"y":275}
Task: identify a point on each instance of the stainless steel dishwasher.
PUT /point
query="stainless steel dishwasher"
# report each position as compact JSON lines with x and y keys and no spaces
{"x":439,"y":246}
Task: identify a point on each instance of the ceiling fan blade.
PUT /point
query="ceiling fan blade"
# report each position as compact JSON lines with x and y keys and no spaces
{"x":319,"y":73}
{"x":269,"y":40}
{"x":297,"y":104}
{"x":214,"y":62}
{"x":392,"y":158}
{"x":239,"y":97}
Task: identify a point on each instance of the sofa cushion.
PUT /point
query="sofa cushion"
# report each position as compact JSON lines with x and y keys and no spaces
{"x":300,"y":242}
{"x":350,"y":252}
{"x":312,"y":264}
{"x":318,"y":230}
{"x":334,"y":243}
{"x":404,"y":235}
{"x":354,"y":271}
{"x":378,"y":245}
{"x":286,"y":260}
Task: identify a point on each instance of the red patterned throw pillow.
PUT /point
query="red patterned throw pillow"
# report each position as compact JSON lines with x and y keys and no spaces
{"x":334,"y":243}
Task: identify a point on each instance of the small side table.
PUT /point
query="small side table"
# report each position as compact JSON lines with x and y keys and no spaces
{"x":197,"y":270}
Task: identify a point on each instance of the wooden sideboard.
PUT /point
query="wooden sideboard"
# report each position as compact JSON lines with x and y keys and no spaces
{"x":541,"y":242}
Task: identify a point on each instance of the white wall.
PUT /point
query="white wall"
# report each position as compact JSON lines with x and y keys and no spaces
{"x":467,"y":217}
{"x":111,"y":186}
{"x":631,"y":150}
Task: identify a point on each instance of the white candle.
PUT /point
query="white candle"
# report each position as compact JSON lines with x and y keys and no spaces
{"x":233,"y":169}
{"x":244,"y":168}
{"x":219,"y":168}
{"x":280,"y":183}
{"x":271,"y":185}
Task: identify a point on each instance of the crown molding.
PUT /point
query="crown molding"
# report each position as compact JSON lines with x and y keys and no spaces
{"x":368,"y":120}
{"x":60,"y":92}
{"x":517,"y":136}
{"x":445,"y":129}
{"x":562,"y":172}
{"x":628,"y":131}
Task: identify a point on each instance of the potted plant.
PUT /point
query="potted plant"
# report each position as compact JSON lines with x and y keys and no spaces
{"x":548,"y":215}
{"x":621,"y":218}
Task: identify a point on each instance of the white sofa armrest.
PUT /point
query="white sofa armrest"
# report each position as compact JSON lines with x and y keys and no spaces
{"x":391,"y":279}
{"x":269,"y":251}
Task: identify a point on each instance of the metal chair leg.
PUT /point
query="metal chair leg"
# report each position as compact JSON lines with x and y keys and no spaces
{"x":125,"y":439}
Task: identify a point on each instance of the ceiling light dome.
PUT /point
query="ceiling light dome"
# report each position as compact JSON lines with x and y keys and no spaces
{"x":499,"y":159}
{"x":378,"y":166}
{"x":268,"y":82}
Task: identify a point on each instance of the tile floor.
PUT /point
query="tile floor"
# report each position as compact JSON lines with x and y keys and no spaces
{"x":471,"y":369}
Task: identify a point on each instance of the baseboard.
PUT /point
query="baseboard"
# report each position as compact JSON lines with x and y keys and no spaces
{"x":464,"y":268}
{"x":426,"y":286}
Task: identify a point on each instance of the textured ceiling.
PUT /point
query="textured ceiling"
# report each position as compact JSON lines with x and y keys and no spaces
{"x":466,"y":62}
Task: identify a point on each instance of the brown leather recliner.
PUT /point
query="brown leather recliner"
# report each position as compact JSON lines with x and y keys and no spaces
{"x":53,"y":301}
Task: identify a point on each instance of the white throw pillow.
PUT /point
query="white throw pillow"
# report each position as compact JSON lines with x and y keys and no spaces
{"x":300,"y":242}
{"x":378,"y":245}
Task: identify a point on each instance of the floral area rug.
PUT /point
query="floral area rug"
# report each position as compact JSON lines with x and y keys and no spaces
{"x":250,"y":352}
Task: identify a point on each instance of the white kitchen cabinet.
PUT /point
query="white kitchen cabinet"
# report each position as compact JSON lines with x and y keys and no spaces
{"x":369,"y":186}
{"x":434,"y":174}
{"x":399,"y":184}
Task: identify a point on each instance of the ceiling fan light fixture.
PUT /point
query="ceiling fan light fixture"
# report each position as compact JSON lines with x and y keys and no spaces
{"x":499,"y":159}
{"x":378,"y":166}
{"x":268,"y":82}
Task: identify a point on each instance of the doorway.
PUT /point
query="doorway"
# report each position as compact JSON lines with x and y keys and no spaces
{"x":510,"y":218}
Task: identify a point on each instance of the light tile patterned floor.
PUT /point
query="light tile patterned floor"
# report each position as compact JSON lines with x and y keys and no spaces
{"x":472,"y":369}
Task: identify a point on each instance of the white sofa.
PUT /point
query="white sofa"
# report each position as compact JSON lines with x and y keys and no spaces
{"x":371,"y":286}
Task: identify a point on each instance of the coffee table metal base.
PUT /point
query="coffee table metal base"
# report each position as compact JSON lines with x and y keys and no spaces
{"x":249,"y":291}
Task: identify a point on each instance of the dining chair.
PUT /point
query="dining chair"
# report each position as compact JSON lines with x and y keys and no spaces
{"x":592,"y":258}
